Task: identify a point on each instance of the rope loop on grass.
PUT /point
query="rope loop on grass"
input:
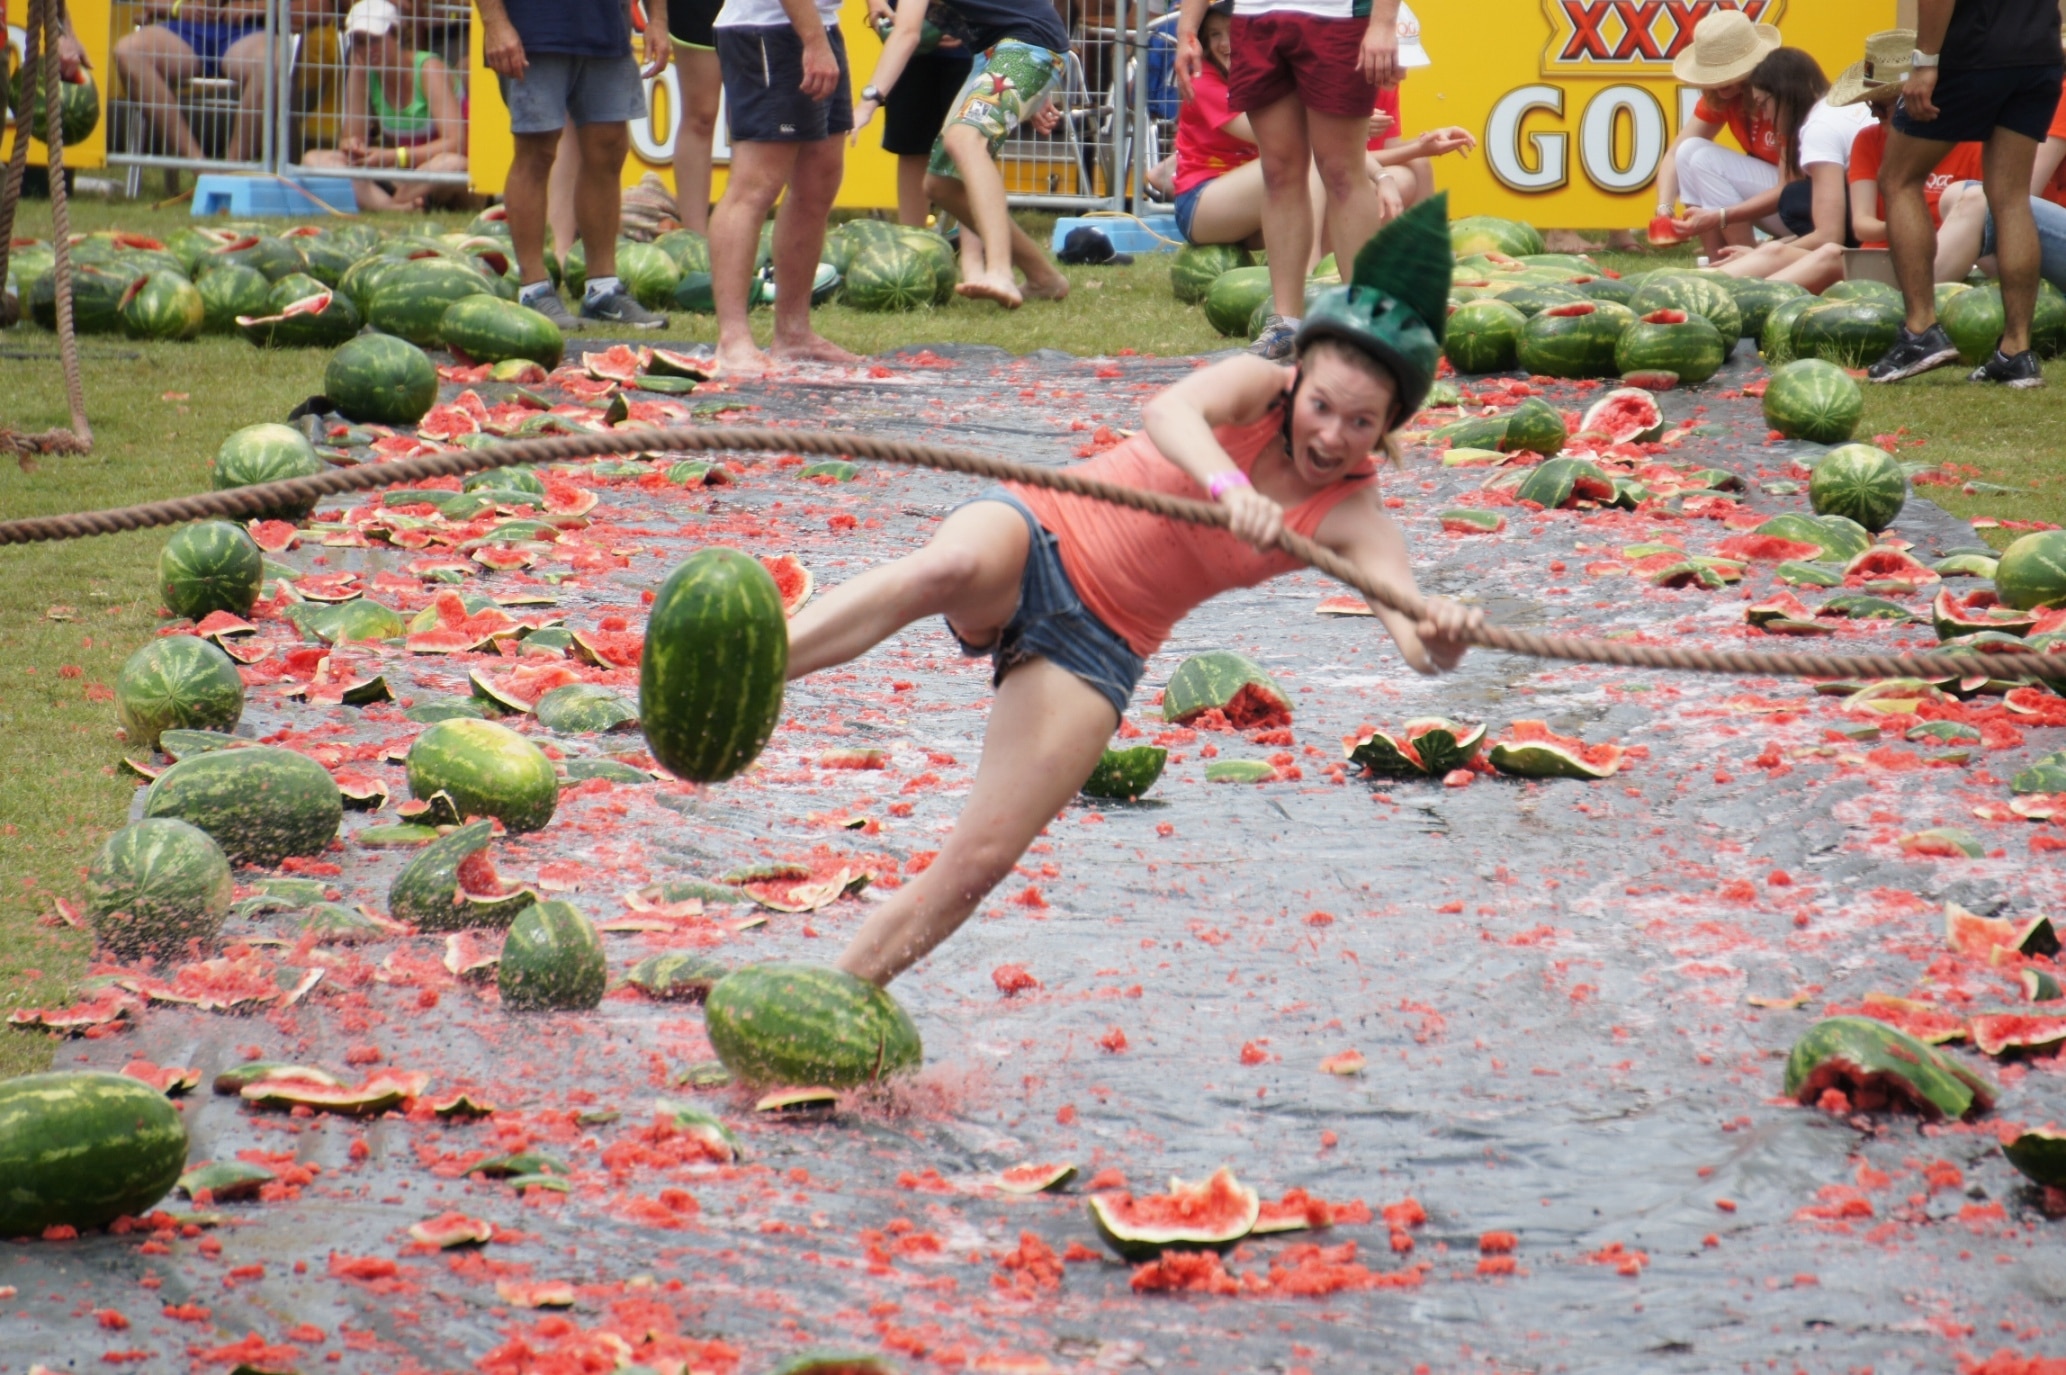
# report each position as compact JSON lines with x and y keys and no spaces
{"x":265,"y":496}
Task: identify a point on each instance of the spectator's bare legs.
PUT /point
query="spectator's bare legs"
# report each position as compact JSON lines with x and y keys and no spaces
{"x":244,"y":63}
{"x":1353,"y":211}
{"x":2005,"y":165}
{"x":1961,"y":229}
{"x":525,"y":196}
{"x":700,"y":84}
{"x":599,"y":193}
{"x":559,"y":191}
{"x":759,"y":172}
{"x":976,"y":197}
{"x":799,"y":243}
{"x":913,"y":205}
{"x":150,"y":60}
{"x":1910,"y":234}
{"x":1287,"y":210}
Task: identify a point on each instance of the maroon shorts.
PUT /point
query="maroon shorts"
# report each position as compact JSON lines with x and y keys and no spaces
{"x":1311,"y":56}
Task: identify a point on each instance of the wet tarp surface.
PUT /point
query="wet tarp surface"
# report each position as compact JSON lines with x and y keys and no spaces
{"x":1551,"y":983}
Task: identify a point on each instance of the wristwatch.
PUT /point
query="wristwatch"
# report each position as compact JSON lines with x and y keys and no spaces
{"x":871,"y":93}
{"x":1919,"y":58}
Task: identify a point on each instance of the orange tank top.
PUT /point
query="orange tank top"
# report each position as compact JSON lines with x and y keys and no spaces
{"x":1139,"y":573}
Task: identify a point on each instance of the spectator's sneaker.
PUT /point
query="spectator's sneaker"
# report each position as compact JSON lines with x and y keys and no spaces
{"x":1276,"y":341}
{"x":2020,"y":372}
{"x":618,"y":308}
{"x":554,"y":309}
{"x":1913,"y":354}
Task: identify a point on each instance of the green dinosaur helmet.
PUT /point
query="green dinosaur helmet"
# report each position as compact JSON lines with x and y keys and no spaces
{"x":1396,"y":304}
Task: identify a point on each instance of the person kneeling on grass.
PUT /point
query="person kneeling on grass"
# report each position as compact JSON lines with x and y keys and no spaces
{"x":1020,"y":48}
{"x":1069,"y":596}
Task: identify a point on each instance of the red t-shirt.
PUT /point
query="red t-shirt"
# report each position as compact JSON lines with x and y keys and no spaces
{"x":2055,"y":189}
{"x":1962,"y":163}
{"x":1387,"y":104}
{"x":1757,"y":134}
{"x":1204,"y":149}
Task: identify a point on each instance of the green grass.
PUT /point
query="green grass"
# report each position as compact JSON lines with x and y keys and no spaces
{"x":70,"y":613}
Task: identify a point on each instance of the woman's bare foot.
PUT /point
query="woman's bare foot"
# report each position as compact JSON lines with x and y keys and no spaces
{"x":1055,"y":288}
{"x":1004,"y":291}
{"x":811,"y":349}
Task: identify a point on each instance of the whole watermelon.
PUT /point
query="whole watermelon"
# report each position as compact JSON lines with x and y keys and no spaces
{"x":229,"y":291}
{"x":78,"y":105}
{"x":178,"y":682}
{"x":1233,"y":297}
{"x":489,"y":330}
{"x":552,"y":960}
{"x":693,"y":294}
{"x":410,"y":301}
{"x":82,"y":1149}
{"x":1863,"y":289}
{"x":1532,"y":298}
{"x":715,"y":661}
{"x":1488,"y":234}
{"x":260,"y":804}
{"x":381,"y":380}
{"x":1696,"y":294}
{"x":1575,"y":340}
{"x":211,"y":565}
{"x":1672,"y":341}
{"x":1860,"y":483}
{"x":892,"y":276}
{"x":808,"y":1025}
{"x":689,"y":249}
{"x":97,"y":293}
{"x":1974,"y":321}
{"x":2032,"y":571}
{"x":1775,"y":341}
{"x":486,"y":769}
{"x":1620,"y":290}
{"x":1197,"y":266}
{"x":935,"y":249}
{"x":1850,"y":334}
{"x":1757,"y":298}
{"x":155,"y":888}
{"x":648,"y":273}
{"x":267,"y":453}
{"x":1813,"y":400}
{"x":1483,"y":336}
{"x":328,"y":256}
{"x":164,"y":305}
{"x":1535,"y":426}
{"x":275,"y":257}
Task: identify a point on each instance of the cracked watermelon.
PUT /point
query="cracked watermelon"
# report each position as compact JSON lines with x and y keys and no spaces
{"x":486,"y":770}
{"x":82,"y":1149}
{"x":715,"y":662}
{"x":452,"y":885}
{"x":302,"y":313}
{"x":1813,"y":399}
{"x":260,"y":804}
{"x":1860,"y":483}
{"x":97,"y":293}
{"x":381,"y":380}
{"x":1531,"y":750}
{"x":808,"y":1026}
{"x":2040,"y":1154}
{"x":1695,"y":293}
{"x":1874,"y":1066}
{"x":552,"y":960}
{"x":177,"y":682}
{"x":1675,"y":341}
{"x":490,"y":330}
{"x":2032,"y":572}
{"x":267,"y":453}
{"x":228,"y":291}
{"x":1427,"y":746}
{"x":155,"y":888}
{"x":1208,"y":1216}
{"x":1573,"y":340}
{"x":1197,"y":266}
{"x":163,"y":305}
{"x":1239,"y":688}
{"x":1623,"y":416}
{"x":210,"y":566}
{"x":1126,"y":774}
{"x":1483,"y":336}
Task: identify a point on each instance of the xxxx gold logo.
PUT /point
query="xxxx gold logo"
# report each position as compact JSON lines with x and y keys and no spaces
{"x":1634,"y":36}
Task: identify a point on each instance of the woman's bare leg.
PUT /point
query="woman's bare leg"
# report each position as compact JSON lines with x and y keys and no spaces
{"x":1817,"y":270}
{"x":700,"y":85}
{"x":1047,"y":731}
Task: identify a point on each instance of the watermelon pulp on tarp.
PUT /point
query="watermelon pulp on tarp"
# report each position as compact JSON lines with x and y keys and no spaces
{"x":1530,"y":749}
{"x":1212,"y":1215}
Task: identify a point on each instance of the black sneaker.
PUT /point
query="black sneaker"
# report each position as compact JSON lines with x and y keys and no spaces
{"x":1913,"y":354}
{"x":618,"y":308}
{"x":554,"y":309}
{"x":2020,"y":372}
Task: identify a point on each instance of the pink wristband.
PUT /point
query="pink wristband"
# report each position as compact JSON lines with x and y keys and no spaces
{"x":1221,"y":483}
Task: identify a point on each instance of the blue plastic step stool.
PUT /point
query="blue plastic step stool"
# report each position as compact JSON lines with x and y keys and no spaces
{"x":216,"y":194}
{"x":1128,"y":233}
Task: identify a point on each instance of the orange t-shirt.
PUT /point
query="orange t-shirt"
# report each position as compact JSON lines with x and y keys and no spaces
{"x":1139,"y":573}
{"x":1758,"y":135}
{"x":1962,"y":163}
{"x":2055,"y":189}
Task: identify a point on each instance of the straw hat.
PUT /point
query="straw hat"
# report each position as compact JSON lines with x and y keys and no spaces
{"x":1881,"y":73}
{"x":1725,"y":47}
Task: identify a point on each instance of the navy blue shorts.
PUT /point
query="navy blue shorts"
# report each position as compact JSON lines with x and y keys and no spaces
{"x":1186,"y":207}
{"x":1052,"y":623}
{"x":763,"y":76}
{"x":210,"y":39}
{"x":1973,"y":104}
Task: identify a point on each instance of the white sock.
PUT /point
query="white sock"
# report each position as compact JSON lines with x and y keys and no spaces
{"x":600,"y":287}
{"x":531,"y":293}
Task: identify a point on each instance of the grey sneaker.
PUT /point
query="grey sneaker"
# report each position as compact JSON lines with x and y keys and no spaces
{"x":2020,"y":372}
{"x":618,"y":308}
{"x":554,"y":309}
{"x":1276,"y":341}
{"x":1912,"y":354}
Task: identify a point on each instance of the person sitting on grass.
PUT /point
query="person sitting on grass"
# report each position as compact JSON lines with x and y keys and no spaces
{"x":1020,"y":49}
{"x":1815,"y":133}
{"x":400,"y":111}
{"x":1069,"y":596}
{"x":1726,"y":48}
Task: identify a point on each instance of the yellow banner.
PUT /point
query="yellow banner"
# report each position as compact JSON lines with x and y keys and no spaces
{"x":1573,"y":101}
{"x":90,"y":23}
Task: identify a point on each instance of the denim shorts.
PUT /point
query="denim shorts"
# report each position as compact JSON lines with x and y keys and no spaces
{"x":556,"y":87}
{"x":210,"y":39}
{"x":1186,"y":207}
{"x":1052,"y":623}
{"x":1973,"y":104}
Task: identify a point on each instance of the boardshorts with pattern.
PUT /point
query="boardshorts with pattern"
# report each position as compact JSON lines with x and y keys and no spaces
{"x":1004,"y":86}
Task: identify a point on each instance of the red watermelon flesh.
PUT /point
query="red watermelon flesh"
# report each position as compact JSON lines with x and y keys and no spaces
{"x":1658,"y":380}
{"x":478,"y":879}
{"x":792,"y":579}
{"x":618,"y":363}
{"x":1998,"y":1032}
{"x":1623,"y":415}
{"x":1889,"y":564}
{"x":1928,"y":1023}
{"x":1297,"y":1211}
{"x":1538,"y":732}
{"x":1766,"y":549}
{"x":1663,"y":233}
{"x":1665,"y":317}
{"x":1252,"y":707}
{"x":1569,"y":310}
{"x":274,"y":536}
{"x":611,"y":648}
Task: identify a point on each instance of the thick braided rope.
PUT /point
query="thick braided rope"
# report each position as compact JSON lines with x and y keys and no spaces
{"x":250,"y":501}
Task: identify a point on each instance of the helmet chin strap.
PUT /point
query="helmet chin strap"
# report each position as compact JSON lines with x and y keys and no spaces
{"x":1298,"y":376}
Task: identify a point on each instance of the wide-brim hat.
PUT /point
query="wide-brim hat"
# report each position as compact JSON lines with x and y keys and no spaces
{"x":1411,"y":53}
{"x":1881,"y":72}
{"x":1726,"y":47}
